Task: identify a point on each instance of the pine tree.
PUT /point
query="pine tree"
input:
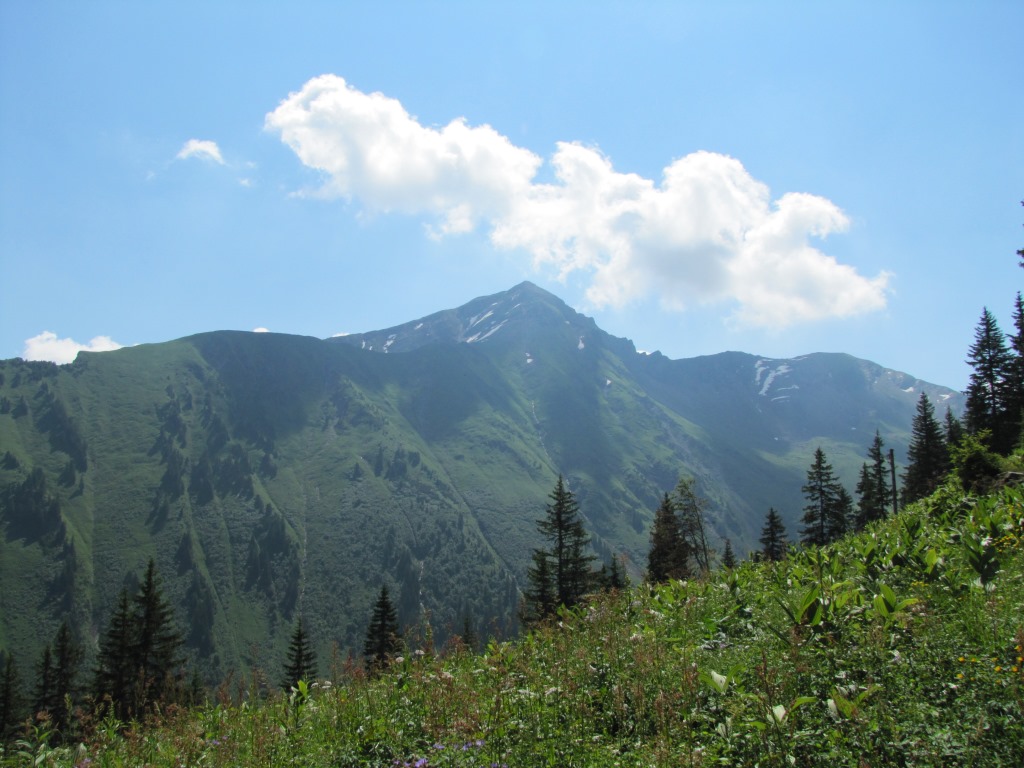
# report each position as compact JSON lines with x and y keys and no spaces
{"x":469,"y":637}
{"x":691,"y":508}
{"x":115,"y":670}
{"x":987,"y":387}
{"x":773,"y":537}
{"x":67,"y":659}
{"x":927,"y":455}
{"x":953,"y":429}
{"x":728,"y":558}
{"x":873,"y":492}
{"x":157,"y":647}
{"x":668,"y":557}
{"x":383,"y":639}
{"x":539,"y":599}
{"x":569,"y":561}
{"x":823,"y":514}
{"x":301,"y":662}
{"x":45,"y":687}
{"x":10,"y":697}
{"x":1015,"y":378}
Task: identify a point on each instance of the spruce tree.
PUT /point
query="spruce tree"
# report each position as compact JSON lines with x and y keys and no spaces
{"x":987,"y":387}
{"x":569,"y":561}
{"x":1015,"y":379}
{"x":824,"y":510}
{"x":873,"y":491}
{"x":156,"y":652}
{"x":668,"y":557}
{"x":45,"y":687}
{"x":773,"y":537}
{"x":301,"y":662}
{"x":10,"y":697}
{"x":728,"y":558}
{"x":383,"y":639}
{"x":539,"y":599}
{"x":115,"y":670}
{"x":953,"y":429}
{"x":927,"y":455}
{"x":67,"y":658}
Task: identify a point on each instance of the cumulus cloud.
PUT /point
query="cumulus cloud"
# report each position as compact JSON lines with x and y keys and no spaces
{"x":46,"y":346}
{"x":261,"y":329}
{"x":706,"y":232}
{"x":202,"y":149}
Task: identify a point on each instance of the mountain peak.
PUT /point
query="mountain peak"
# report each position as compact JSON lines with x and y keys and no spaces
{"x":487,"y":318}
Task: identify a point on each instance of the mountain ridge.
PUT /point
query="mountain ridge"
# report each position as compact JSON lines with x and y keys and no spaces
{"x":273,"y":475}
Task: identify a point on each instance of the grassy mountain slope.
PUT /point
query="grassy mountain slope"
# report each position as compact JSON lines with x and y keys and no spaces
{"x":902,"y":645}
{"x":271,"y":475}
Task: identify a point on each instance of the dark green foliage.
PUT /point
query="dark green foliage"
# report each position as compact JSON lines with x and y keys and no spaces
{"x":927,"y":456}
{"x":873,"y":492}
{"x":45,"y":698}
{"x":301,"y":661}
{"x":140,"y":661}
{"x":953,"y":429}
{"x":669,"y":555}
{"x":539,"y":598}
{"x":828,"y":504}
{"x":63,"y":690}
{"x":383,"y":637}
{"x":115,"y":671}
{"x":977,"y":466}
{"x":988,"y":387}
{"x":565,"y":574}
{"x":773,"y":537}
{"x":11,"y":697}
{"x":728,"y":558}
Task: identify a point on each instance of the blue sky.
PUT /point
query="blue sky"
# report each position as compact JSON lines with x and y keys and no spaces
{"x":777,"y":178}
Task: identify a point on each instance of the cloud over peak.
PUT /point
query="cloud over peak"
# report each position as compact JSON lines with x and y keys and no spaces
{"x":706,"y":233}
{"x":46,"y":346}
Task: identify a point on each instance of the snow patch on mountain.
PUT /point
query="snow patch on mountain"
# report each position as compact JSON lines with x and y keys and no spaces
{"x":762,"y":370}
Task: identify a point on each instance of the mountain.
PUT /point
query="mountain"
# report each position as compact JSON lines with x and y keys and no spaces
{"x":272,"y":475}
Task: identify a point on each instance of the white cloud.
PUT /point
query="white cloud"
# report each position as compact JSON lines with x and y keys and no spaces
{"x":707,"y":232}
{"x":203,"y":149}
{"x":261,"y":329}
{"x":46,"y":346}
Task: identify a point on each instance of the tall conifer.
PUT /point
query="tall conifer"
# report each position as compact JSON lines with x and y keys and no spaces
{"x":987,"y":393}
{"x":568,"y":561}
{"x":824,"y":514}
{"x":383,"y":638}
{"x":301,"y":662}
{"x":927,"y":455}
{"x":773,"y":536}
{"x":668,"y":557}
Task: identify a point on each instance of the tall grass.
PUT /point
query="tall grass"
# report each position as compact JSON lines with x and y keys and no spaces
{"x":899,"y":646}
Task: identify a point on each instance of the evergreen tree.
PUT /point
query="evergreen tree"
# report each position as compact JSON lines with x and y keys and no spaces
{"x":67,"y":659}
{"x":927,"y":455}
{"x":773,"y":537}
{"x":115,"y":670}
{"x":539,"y":599}
{"x":569,"y":562}
{"x":383,"y":638}
{"x":987,"y":387}
{"x":1015,"y":378}
{"x":824,"y":514}
{"x":301,"y":662}
{"x":668,"y":557}
{"x":10,"y":697}
{"x":469,"y":637}
{"x":611,"y":576}
{"x":157,"y":647}
{"x":691,"y":508}
{"x":953,"y":429}
{"x":139,"y":661}
{"x":45,"y":686}
{"x":728,"y":558}
{"x":873,"y":492}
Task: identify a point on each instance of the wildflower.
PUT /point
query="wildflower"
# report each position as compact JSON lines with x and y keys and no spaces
{"x":998,"y":668}
{"x":959,"y":675}
{"x":961,"y":659}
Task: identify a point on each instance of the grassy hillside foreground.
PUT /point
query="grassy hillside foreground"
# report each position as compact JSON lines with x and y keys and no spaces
{"x":901,"y":646}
